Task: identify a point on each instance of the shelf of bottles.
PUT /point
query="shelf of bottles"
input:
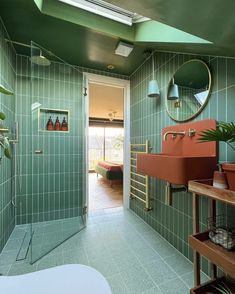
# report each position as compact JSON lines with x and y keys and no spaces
{"x":53,"y":120}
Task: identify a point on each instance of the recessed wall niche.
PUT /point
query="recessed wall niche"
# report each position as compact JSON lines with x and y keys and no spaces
{"x":46,"y":114}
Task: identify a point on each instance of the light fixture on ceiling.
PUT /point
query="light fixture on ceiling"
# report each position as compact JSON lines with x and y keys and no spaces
{"x":104,"y":9}
{"x":112,"y":115}
{"x":173,"y":93}
{"x":124,"y":49}
{"x":153,"y":89}
{"x":110,"y":66}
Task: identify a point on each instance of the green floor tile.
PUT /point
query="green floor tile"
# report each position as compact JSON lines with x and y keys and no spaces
{"x":132,"y":262}
{"x":136,"y":279}
{"x":175,"y":286}
{"x":105,"y":266}
{"x":159,"y":271}
{"x":179,"y":264}
{"x":117,"y":284}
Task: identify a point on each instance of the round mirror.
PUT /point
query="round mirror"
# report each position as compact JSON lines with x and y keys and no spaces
{"x":188,"y":90}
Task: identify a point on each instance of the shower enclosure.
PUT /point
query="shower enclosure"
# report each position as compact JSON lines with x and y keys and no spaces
{"x":56,"y":133}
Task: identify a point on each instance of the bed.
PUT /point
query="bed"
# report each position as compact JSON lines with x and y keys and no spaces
{"x":111,"y":171}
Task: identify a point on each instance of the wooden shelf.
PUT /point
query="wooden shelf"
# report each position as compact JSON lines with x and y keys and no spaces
{"x":204,"y":187}
{"x":215,"y":253}
{"x":200,"y":242}
{"x":210,"y":287}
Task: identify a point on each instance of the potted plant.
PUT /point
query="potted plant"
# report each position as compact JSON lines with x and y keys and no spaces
{"x":225,"y":132}
{"x":223,"y":289}
{"x":223,"y":285}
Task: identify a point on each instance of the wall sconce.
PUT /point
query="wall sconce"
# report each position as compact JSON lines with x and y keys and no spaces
{"x":153,"y":89}
{"x":173,"y":93}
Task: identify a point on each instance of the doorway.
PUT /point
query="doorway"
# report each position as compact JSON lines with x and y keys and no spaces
{"x":105,"y":149}
{"x":107,"y":142}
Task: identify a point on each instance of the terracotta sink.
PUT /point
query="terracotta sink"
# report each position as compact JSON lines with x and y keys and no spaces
{"x":176,"y":169}
{"x":182,"y":158}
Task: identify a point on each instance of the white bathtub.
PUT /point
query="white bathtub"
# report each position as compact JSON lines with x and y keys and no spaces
{"x":64,"y":279}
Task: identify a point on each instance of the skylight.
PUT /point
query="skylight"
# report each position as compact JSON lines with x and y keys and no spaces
{"x":107,"y":10}
{"x":201,"y":97}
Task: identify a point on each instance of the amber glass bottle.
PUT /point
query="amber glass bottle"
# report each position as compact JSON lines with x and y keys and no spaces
{"x":57,"y":124}
{"x":50,"y":126}
{"x":64,"y":125}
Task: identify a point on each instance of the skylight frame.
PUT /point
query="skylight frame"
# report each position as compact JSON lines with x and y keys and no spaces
{"x":105,"y":12}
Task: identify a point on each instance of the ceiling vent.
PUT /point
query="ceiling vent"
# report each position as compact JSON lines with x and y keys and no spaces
{"x":124,"y":49}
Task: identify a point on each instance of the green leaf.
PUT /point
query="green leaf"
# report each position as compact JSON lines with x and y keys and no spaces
{"x":223,"y":289}
{"x":7,"y":152}
{"x":2,"y":116}
{"x":5,"y":90}
{"x":225,"y":132}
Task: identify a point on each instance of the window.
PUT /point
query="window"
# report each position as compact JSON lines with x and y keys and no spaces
{"x":105,"y":144}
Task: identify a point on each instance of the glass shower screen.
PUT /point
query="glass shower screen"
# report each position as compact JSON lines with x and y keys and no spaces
{"x":58,"y":160}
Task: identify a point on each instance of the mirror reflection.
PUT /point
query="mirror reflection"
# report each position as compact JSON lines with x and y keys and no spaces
{"x":188,"y":90}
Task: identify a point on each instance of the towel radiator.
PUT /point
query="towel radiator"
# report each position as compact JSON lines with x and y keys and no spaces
{"x":139,"y":184}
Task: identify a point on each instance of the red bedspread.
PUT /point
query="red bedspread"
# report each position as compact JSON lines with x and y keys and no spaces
{"x":111,"y":165}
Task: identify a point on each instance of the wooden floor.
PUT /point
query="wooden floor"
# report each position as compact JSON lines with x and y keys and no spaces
{"x":102,"y":195}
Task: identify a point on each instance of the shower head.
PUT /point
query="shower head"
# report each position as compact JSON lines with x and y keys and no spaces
{"x":40,"y":60}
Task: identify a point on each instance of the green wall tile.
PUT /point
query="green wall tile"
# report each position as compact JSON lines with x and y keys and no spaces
{"x":149,"y":116}
{"x":7,"y":105}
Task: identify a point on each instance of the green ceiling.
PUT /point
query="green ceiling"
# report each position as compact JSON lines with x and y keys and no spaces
{"x":212,"y":20}
{"x":193,"y":74}
{"x":89,"y":40}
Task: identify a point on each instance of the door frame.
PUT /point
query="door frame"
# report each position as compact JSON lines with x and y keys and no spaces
{"x":125,"y":84}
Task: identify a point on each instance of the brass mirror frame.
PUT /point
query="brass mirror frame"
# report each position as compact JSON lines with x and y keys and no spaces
{"x":207,"y":98}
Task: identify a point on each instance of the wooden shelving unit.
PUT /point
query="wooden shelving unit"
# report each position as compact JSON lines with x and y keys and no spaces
{"x":200,"y":241}
{"x":217,"y":254}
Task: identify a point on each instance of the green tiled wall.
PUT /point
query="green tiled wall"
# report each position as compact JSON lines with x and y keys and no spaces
{"x":7,"y":105}
{"x":149,"y":116}
{"x":50,"y":185}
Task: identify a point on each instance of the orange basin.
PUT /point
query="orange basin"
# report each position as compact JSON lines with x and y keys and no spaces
{"x":176,"y":169}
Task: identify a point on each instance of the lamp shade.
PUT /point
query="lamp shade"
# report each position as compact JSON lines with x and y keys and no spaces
{"x":173,"y":93}
{"x":153,"y":90}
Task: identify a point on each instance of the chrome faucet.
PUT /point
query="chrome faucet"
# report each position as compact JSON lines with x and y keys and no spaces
{"x":174,"y":134}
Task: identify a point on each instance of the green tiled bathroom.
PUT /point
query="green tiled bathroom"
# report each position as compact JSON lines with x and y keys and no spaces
{"x":165,"y":236}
